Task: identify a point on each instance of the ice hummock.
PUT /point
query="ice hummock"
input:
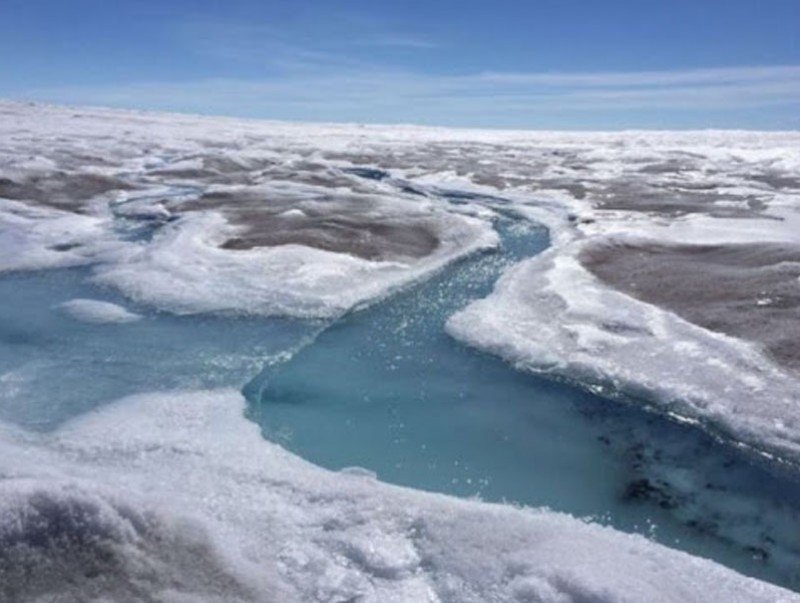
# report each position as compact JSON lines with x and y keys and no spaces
{"x":184,"y":270}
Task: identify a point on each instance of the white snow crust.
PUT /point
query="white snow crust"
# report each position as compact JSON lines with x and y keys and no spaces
{"x":550,"y":315}
{"x":33,"y":238}
{"x":181,"y":498}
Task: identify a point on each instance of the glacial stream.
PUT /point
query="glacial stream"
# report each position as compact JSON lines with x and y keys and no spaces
{"x":386,"y":390}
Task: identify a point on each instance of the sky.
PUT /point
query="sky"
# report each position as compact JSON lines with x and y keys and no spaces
{"x":540,"y":64}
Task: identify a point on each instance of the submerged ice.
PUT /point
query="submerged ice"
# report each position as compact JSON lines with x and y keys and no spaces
{"x":67,"y":346}
{"x":190,"y":253}
{"x":96,"y":311}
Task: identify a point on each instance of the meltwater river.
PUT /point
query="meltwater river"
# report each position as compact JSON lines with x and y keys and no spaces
{"x":387,"y":390}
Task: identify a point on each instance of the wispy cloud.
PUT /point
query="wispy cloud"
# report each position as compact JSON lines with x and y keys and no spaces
{"x":397,"y":41}
{"x":259,"y":44}
{"x":339,"y":46}
{"x":366,"y":93}
{"x":341,"y":67}
{"x":720,"y":75}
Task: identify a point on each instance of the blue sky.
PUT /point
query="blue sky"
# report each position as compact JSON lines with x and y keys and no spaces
{"x":592,"y":64}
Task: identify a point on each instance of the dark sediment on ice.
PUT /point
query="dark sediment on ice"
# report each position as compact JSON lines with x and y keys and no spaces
{"x":750,"y":291}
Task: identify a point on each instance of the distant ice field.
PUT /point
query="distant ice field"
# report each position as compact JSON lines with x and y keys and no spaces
{"x":174,"y":254}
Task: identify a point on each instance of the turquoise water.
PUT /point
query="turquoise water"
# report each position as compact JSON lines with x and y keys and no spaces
{"x":386,"y":389}
{"x":53,"y":367}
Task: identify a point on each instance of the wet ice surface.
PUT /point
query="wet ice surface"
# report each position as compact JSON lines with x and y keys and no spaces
{"x":181,"y":241}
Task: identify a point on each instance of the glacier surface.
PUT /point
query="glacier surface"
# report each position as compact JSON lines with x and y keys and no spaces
{"x":176,"y":496}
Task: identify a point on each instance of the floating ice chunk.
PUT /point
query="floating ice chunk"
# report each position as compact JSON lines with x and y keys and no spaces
{"x":97,"y":312}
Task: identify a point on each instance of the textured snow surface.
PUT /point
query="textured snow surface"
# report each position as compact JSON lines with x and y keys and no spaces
{"x":32,"y":237}
{"x":179,"y":497}
{"x":193,"y":216}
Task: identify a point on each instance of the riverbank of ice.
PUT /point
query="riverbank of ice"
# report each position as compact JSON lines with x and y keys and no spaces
{"x":178,"y":496}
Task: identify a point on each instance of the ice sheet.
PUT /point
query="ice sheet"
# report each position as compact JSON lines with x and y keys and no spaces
{"x":172,"y":210}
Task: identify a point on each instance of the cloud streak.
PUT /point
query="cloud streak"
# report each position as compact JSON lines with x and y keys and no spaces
{"x":288,"y":48}
{"x":395,"y":41}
